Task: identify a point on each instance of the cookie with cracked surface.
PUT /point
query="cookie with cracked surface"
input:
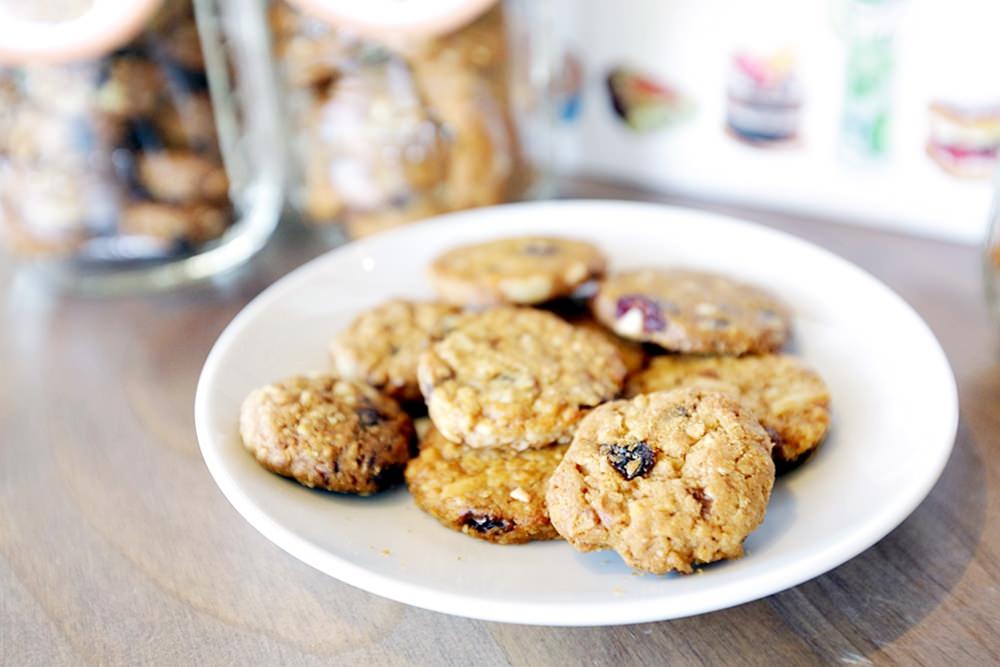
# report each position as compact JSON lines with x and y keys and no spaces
{"x":328,"y":433}
{"x":522,"y":270}
{"x":382,"y":345}
{"x":668,"y":480}
{"x":789,"y":398}
{"x":517,"y":378}
{"x":692,"y":311}
{"x":497,"y":495}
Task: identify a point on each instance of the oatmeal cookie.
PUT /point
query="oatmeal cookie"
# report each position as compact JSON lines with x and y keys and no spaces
{"x":523,"y":270}
{"x":516,"y":377}
{"x":497,"y":495}
{"x":668,"y":480}
{"x":382,"y":345}
{"x":328,"y":433}
{"x":692,"y":311}
{"x":631,"y":352}
{"x":789,"y":398}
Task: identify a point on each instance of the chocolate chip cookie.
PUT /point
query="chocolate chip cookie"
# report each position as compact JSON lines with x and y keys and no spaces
{"x":692,"y":311}
{"x":517,"y":378}
{"x":496,"y":495}
{"x":523,"y":270}
{"x":789,"y":398}
{"x":382,"y":345}
{"x":328,"y":433}
{"x":668,"y":480}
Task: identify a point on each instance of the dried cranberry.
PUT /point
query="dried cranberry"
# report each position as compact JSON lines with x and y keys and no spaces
{"x":388,"y":477}
{"x":652,"y":314}
{"x":704,"y":500}
{"x":630,"y":460}
{"x":369,"y":416}
{"x":483,"y":523}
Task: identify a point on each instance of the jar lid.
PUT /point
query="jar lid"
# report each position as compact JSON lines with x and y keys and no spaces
{"x":61,"y":31}
{"x":380,"y":18}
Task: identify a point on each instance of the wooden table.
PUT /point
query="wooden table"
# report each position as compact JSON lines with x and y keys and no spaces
{"x":117,"y":548}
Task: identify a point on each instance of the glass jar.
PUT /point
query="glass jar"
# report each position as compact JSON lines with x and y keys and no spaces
{"x":131,"y":157}
{"x":390,"y":124}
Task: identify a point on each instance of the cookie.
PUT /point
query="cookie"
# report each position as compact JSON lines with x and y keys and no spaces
{"x":182,"y":176}
{"x":631,"y":352}
{"x":692,"y":311}
{"x":517,"y":378}
{"x":382,"y":345}
{"x":522,"y":270}
{"x":496,"y":495}
{"x":790,"y":399}
{"x":668,"y":480}
{"x":328,"y":433}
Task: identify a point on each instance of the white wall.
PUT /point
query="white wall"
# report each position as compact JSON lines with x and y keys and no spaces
{"x":942,"y":47}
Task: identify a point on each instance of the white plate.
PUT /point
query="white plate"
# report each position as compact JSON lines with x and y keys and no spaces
{"x":894,"y":400}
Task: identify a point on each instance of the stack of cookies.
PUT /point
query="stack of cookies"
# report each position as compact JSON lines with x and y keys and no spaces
{"x":649,"y":418}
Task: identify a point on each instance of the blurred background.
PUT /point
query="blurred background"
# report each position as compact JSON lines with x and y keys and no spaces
{"x":152,"y":143}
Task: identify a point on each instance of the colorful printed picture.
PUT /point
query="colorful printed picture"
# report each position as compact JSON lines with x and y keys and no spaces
{"x":569,"y":88}
{"x":644,"y":103}
{"x":880,"y":111}
{"x":964,"y":140}
{"x":763,"y":98}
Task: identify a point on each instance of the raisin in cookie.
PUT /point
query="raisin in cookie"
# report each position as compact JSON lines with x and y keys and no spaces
{"x":668,"y":480}
{"x":496,"y":495}
{"x":790,"y":399}
{"x":382,"y":345}
{"x":516,"y":377}
{"x":523,"y":270}
{"x":328,"y":433}
{"x":692,"y":311}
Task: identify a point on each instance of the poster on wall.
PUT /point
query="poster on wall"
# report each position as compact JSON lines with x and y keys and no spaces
{"x":879,"y":112}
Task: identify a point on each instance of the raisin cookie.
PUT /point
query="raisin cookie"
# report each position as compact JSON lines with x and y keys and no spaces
{"x":517,"y":378}
{"x":668,"y":480}
{"x":692,"y":311}
{"x":328,"y":433}
{"x":496,"y":495}
{"x":523,"y":270}
{"x":382,"y":345}
{"x":790,"y":399}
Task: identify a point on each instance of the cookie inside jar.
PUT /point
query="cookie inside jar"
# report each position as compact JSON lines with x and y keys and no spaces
{"x":388,"y":126}
{"x":110,"y":155}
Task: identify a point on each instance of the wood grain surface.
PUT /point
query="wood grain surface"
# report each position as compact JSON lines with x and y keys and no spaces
{"x":117,"y":548}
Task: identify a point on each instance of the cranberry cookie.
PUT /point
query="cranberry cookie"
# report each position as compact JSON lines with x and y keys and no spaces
{"x":517,"y":378}
{"x":328,"y":433}
{"x":789,"y":398}
{"x":382,"y":345}
{"x":523,"y":270}
{"x":496,"y":495}
{"x":668,"y":480}
{"x":692,"y":311}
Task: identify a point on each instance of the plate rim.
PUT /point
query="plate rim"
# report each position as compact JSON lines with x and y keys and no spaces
{"x":613,"y":612}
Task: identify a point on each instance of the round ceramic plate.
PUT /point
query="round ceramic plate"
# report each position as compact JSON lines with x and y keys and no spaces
{"x":894,"y":404}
